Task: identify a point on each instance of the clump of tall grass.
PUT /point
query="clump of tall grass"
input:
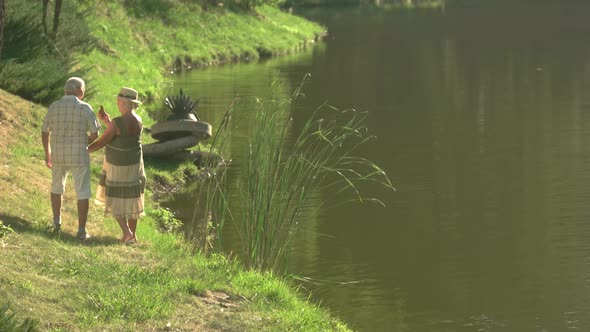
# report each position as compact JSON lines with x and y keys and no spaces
{"x":5,"y":230}
{"x":9,"y":322}
{"x":282,"y":173}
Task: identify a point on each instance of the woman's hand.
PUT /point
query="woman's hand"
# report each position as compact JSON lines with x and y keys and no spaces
{"x":103,"y":116}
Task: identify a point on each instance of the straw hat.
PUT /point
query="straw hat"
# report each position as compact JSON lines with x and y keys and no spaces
{"x":129,"y":94}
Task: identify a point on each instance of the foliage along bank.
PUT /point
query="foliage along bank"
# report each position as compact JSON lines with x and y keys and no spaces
{"x":114,"y":43}
{"x":54,"y":282}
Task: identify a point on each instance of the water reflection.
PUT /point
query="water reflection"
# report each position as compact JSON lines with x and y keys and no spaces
{"x":483,"y":119}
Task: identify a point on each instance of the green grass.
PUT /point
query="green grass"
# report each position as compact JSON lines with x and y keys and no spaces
{"x":10,"y":323}
{"x":144,"y":46}
{"x":161,"y":284}
{"x":101,"y":285}
{"x":115,"y":43}
{"x":5,"y":230}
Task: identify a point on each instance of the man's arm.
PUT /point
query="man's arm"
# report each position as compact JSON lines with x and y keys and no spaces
{"x":46,"y":147}
{"x":93,"y":126}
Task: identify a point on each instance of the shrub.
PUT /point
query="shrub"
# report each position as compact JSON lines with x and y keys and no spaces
{"x":165,"y":220}
{"x":5,"y":230}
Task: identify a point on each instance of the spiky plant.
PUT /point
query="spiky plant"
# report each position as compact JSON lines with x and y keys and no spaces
{"x":182,"y":106}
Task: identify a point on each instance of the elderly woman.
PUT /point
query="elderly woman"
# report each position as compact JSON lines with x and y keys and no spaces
{"x":122,"y":181}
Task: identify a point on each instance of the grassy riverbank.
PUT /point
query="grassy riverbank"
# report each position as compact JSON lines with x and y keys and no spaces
{"x":114,"y":43}
{"x":159,"y":284}
{"x":68,"y":285}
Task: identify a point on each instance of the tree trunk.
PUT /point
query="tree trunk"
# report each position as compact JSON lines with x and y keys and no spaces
{"x":45,"y":5}
{"x":56,"y":15}
{"x":2,"y":11}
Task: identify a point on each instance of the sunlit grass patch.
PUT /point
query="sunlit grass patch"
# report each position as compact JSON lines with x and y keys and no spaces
{"x":132,"y":293}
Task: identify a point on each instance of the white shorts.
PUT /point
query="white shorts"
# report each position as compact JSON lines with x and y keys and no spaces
{"x":81,"y":177}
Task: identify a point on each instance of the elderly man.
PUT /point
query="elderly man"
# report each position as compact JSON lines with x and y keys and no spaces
{"x":69,"y":126}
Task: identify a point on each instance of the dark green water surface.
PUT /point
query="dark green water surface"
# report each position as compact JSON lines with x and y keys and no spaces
{"x":482,"y":115}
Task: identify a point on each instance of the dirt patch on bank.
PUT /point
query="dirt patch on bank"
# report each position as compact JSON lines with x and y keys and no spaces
{"x":220,"y":299}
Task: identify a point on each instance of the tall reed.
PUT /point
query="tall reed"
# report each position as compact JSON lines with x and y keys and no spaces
{"x":284,"y":168}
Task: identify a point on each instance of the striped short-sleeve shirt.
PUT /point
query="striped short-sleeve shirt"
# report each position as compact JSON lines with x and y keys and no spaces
{"x":69,"y":120}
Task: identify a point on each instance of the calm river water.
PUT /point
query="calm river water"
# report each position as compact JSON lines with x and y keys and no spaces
{"x":482,"y":114}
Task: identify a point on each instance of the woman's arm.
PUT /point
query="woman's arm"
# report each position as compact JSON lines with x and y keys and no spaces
{"x":104,"y":139}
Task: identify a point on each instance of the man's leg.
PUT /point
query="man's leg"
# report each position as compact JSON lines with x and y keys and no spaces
{"x":82,"y":217}
{"x":58,"y":182}
{"x":56,"y":207}
{"x":82,"y":213}
{"x":83,"y":192}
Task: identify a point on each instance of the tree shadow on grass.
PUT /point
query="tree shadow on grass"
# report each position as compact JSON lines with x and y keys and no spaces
{"x":20,"y":225}
{"x":35,"y":65}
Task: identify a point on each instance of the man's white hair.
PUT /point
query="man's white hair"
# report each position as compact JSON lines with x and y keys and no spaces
{"x":73,"y":85}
